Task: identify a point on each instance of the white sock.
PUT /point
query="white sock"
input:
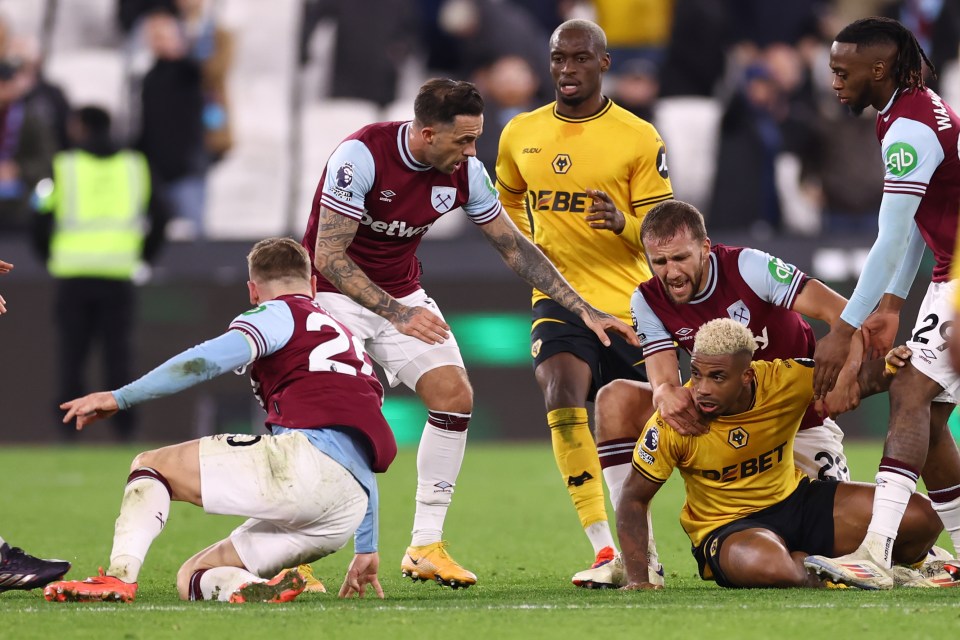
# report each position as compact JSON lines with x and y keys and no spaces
{"x":889,"y":503}
{"x":143,"y":513}
{"x":599,"y":535}
{"x":220,"y":582}
{"x":2,"y":542}
{"x":949,"y":513}
{"x":614,"y":477}
{"x":653,"y":558}
{"x":438,"y":465}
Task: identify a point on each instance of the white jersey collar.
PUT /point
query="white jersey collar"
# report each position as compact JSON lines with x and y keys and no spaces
{"x":403,"y":146}
{"x":711,"y":281}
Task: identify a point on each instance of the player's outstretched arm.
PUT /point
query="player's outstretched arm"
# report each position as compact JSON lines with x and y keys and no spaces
{"x":528,"y":262}
{"x":361,"y":572}
{"x":633,"y":531}
{"x":334,"y":235}
{"x":90,"y":408}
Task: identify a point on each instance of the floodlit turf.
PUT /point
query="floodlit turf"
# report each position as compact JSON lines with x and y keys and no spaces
{"x":512,"y":523}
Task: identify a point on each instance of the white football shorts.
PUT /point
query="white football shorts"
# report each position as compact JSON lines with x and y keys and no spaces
{"x":302,"y":504}
{"x":928,"y":340}
{"x":818,"y":452}
{"x":403,"y":358}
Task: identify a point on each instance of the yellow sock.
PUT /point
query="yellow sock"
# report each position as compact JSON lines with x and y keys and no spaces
{"x":579,"y":464}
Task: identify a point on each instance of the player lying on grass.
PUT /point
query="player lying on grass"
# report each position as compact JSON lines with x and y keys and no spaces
{"x":306,"y":488}
{"x":752,"y":516}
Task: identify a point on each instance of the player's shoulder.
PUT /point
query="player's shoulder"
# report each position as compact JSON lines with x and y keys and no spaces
{"x":376,"y":130}
{"x":633,"y":124}
{"x":536,"y":118}
{"x":783,"y":372}
{"x":266,"y":309}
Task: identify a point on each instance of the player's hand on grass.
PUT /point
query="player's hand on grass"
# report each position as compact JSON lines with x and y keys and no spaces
{"x":879,"y":332}
{"x":678,"y":410}
{"x":421,"y":323}
{"x":600,"y":323}
{"x":361,"y":572}
{"x":641,"y":586}
{"x":604,"y":213}
{"x":90,"y":408}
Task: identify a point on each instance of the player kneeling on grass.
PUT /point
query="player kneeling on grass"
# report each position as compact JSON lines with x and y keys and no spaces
{"x":751,"y":515}
{"x":306,"y":488}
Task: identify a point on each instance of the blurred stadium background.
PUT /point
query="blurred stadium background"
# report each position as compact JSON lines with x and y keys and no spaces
{"x":739,"y":90}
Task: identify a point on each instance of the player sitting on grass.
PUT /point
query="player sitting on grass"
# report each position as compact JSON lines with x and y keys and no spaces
{"x":751,"y":514}
{"x":306,"y":488}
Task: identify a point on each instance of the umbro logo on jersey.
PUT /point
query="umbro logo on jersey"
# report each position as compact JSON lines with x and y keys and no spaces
{"x":387,"y":195}
{"x":684,"y":332}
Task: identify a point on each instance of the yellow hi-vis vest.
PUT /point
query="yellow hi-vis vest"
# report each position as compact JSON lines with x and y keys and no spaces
{"x":99,"y":206}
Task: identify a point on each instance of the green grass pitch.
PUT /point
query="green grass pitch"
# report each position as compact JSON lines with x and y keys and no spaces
{"x":511,"y":522}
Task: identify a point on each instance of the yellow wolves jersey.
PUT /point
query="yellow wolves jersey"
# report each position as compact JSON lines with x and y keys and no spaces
{"x":745,"y":462}
{"x":546,"y":163}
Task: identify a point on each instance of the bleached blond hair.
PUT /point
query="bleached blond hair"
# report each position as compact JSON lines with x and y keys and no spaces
{"x":724,"y":337}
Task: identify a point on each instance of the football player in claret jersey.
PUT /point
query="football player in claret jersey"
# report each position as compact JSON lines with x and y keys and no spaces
{"x":695,"y":282}
{"x":382,"y":189}
{"x":577,"y":176}
{"x":748,"y":509}
{"x":877,"y":62}
{"x":328,"y":438}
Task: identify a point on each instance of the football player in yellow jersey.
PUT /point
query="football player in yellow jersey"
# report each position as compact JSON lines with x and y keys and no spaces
{"x":577,"y":176}
{"x":751,"y":515}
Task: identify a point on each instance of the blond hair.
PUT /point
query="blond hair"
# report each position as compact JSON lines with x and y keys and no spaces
{"x":278,"y":259}
{"x":724,"y":337}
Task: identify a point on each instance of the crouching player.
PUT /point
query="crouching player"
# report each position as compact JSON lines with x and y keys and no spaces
{"x":751,"y":515}
{"x":306,"y":488}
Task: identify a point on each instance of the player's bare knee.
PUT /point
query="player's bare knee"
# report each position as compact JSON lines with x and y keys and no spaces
{"x":618,"y":408}
{"x":143,"y":459}
{"x":448,"y":391}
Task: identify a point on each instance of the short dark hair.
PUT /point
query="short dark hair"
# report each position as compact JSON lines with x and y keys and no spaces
{"x":598,"y":39}
{"x":441,"y":100}
{"x":671,"y":217}
{"x":95,"y":121}
{"x":908,"y":66}
{"x":279,"y":259}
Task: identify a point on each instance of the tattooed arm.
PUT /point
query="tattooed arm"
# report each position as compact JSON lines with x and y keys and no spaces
{"x":528,"y":262}
{"x":334,"y":235}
